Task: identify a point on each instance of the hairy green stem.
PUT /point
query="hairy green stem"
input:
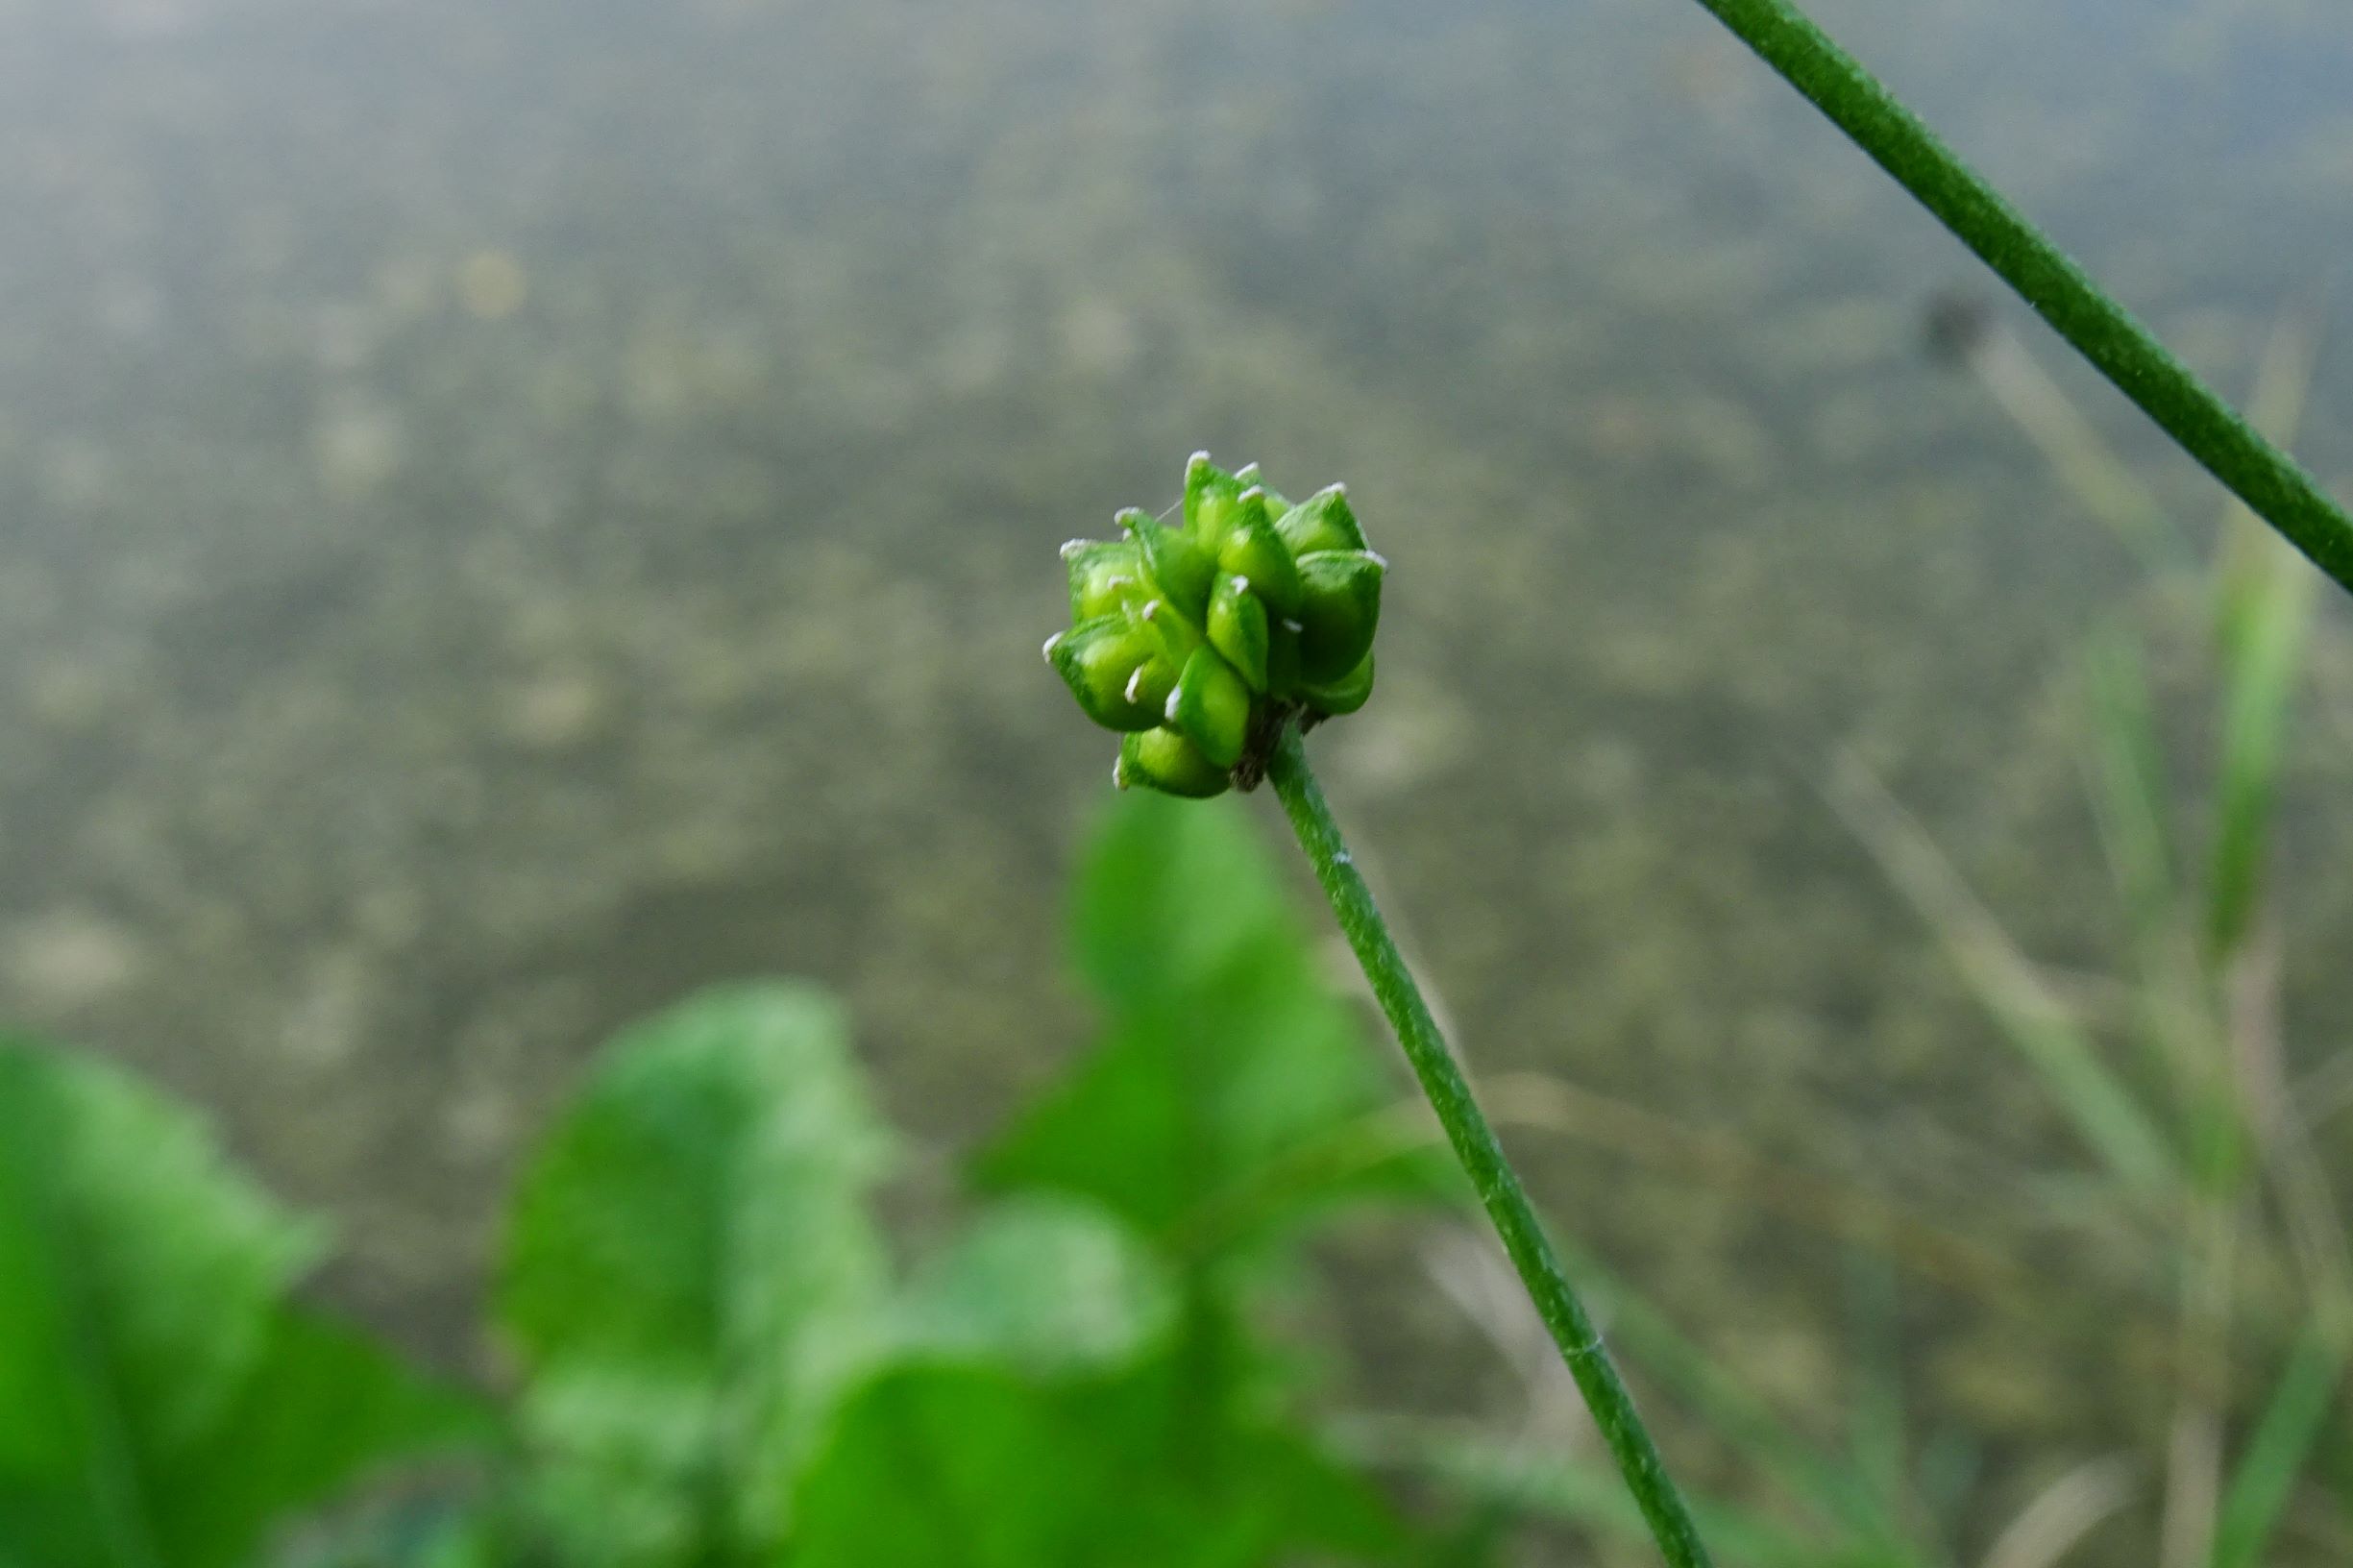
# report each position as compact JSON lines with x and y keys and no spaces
{"x":1475,"y":1145}
{"x":2103,"y":331}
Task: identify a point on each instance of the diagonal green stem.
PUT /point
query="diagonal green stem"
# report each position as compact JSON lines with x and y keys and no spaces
{"x":1482,"y":1157}
{"x":2103,"y":331}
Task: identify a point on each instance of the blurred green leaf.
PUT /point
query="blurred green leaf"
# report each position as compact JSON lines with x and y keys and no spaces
{"x":315,"y":1380}
{"x":972,"y":1466}
{"x":2262,"y":656}
{"x":1232,"y":1092}
{"x":1046,"y":1283}
{"x":692,"y":1275}
{"x":160,"y":1405}
{"x":2275,"y":1455}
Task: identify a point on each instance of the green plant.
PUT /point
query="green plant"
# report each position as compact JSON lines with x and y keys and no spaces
{"x":1137,"y":611}
{"x":717,"y":1360}
{"x":2207,"y":1153}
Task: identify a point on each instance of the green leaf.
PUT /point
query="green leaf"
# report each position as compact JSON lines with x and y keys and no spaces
{"x":323,"y":1405}
{"x":145,"y":1350}
{"x":978,"y":1467}
{"x":1045,"y":1283}
{"x":2276,"y":1453}
{"x":1232,"y":1091}
{"x":691,"y":1274}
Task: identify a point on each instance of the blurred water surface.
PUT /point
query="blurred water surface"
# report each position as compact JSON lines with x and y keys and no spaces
{"x":508,"y":511}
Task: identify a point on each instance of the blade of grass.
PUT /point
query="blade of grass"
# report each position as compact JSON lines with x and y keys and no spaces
{"x":2263,"y":661}
{"x":2293,"y":1421}
{"x":2103,"y":331}
{"x":1836,"y":1492}
{"x":2104,"y":1113}
{"x":2062,"y":1513}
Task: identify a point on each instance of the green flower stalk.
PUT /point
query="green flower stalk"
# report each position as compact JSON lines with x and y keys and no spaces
{"x":1210,"y":645}
{"x":1197,"y":640}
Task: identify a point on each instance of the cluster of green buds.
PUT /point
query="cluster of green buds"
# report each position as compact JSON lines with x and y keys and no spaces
{"x":1197,"y":639}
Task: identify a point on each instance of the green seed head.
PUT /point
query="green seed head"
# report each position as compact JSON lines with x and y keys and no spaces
{"x":1198,"y":639}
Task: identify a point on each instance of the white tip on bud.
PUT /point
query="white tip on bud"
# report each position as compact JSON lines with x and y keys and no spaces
{"x":1241,"y":584}
{"x":1135,"y":685}
{"x":1051,"y":644}
{"x":1168,"y":709}
{"x":1292,"y":625}
{"x":1119,"y":772}
{"x":1378,"y":559}
{"x":1258,"y":490}
{"x":1151,"y":608}
{"x":1073,"y":546}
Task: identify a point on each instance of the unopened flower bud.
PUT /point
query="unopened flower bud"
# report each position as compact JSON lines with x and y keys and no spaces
{"x":1198,"y":641}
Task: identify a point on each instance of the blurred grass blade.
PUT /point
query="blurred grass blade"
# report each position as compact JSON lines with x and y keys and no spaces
{"x":2276,"y":1453}
{"x":2062,"y":1513}
{"x":2103,"y":1112}
{"x":2263,"y":663}
{"x":1545,"y":1483}
{"x":1837,"y":1492}
{"x":2263,"y":608}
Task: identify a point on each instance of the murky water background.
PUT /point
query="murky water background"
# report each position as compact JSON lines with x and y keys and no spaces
{"x":511,"y":511}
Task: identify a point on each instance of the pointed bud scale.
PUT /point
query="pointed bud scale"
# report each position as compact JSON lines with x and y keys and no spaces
{"x":1176,"y":567}
{"x":1164,"y":760}
{"x":1210,"y":497}
{"x":1344,"y":696}
{"x":1254,"y":551}
{"x":1339,"y":607}
{"x":1321,"y":522}
{"x":1170,"y":633}
{"x":1098,"y":660}
{"x":1249,"y":475}
{"x":1238,"y":628}
{"x":1106,"y":576}
{"x":1211,"y":707}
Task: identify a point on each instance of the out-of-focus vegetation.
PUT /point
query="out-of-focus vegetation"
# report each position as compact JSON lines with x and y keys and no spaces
{"x":719,"y":1356}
